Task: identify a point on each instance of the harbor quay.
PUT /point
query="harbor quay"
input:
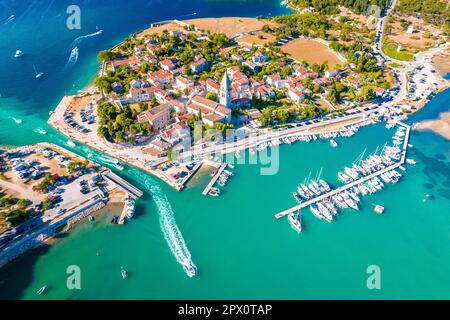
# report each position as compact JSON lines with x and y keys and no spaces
{"x":55,"y":188}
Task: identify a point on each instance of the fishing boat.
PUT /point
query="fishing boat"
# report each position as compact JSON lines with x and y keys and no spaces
{"x":333,"y":143}
{"x":18,"y":54}
{"x":124,"y":273}
{"x":295,"y":221}
{"x":38,"y":74}
{"x":42,"y":290}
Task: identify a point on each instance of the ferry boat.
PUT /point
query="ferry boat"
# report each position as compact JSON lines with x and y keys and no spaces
{"x":42,"y":290}
{"x":333,"y":143}
{"x":18,"y":54}
{"x":315,"y":210}
{"x":295,"y":221}
{"x":190,"y":269}
{"x":123,"y":273}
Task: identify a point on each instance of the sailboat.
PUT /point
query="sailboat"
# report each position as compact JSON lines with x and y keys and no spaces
{"x":38,"y":74}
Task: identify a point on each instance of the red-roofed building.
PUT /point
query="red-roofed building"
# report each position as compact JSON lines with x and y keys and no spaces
{"x":212,"y":86}
{"x":199,"y":65}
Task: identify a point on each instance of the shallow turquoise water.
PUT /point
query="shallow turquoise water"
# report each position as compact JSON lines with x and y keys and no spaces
{"x":241,"y":250}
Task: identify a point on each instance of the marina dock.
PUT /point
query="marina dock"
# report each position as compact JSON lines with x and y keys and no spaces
{"x":354,"y":183}
{"x":126,"y":187}
{"x":214,"y":179}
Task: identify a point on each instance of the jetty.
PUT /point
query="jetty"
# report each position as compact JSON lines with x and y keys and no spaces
{"x":214,"y":179}
{"x":123,"y":185}
{"x":351,"y":184}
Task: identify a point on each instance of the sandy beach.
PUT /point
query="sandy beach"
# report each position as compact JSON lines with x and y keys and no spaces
{"x":441,"y":126}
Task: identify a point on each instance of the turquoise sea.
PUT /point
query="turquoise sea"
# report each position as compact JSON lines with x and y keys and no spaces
{"x":241,"y":250}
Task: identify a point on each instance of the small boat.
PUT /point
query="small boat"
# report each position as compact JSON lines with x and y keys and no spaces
{"x":379,"y":209}
{"x":91,"y":218}
{"x":130,"y":208}
{"x":119,"y":165}
{"x":18,"y":121}
{"x":42,"y":290}
{"x":333,"y":143}
{"x":123,"y":273}
{"x":70,"y":143}
{"x":18,"y":54}
{"x":297,"y":197}
{"x":231,"y":166}
{"x":38,"y":74}
{"x":411,"y":161}
{"x":295,"y":221}
{"x":41,"y":131}
{"x":115,"y":220}
{"x":190,"y":269}
{"x":50,"y":112}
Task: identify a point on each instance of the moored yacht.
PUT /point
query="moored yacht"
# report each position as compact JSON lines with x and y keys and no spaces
{"x":295,"y":221}
{"x":325,"y":212}
{"x":315,"y":210}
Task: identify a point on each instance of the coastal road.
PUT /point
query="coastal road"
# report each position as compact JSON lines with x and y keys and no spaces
{"x":252,"y":141}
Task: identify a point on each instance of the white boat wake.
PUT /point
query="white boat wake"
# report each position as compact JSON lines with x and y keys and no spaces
{"x":73,"y":57}
{"x":18,"y":121}
{"x":78,"y":40}
{"x":169,"y":227}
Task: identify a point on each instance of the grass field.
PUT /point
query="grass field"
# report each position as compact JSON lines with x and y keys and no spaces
{"x":390,"y":50}
{"x":311,"y":51}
